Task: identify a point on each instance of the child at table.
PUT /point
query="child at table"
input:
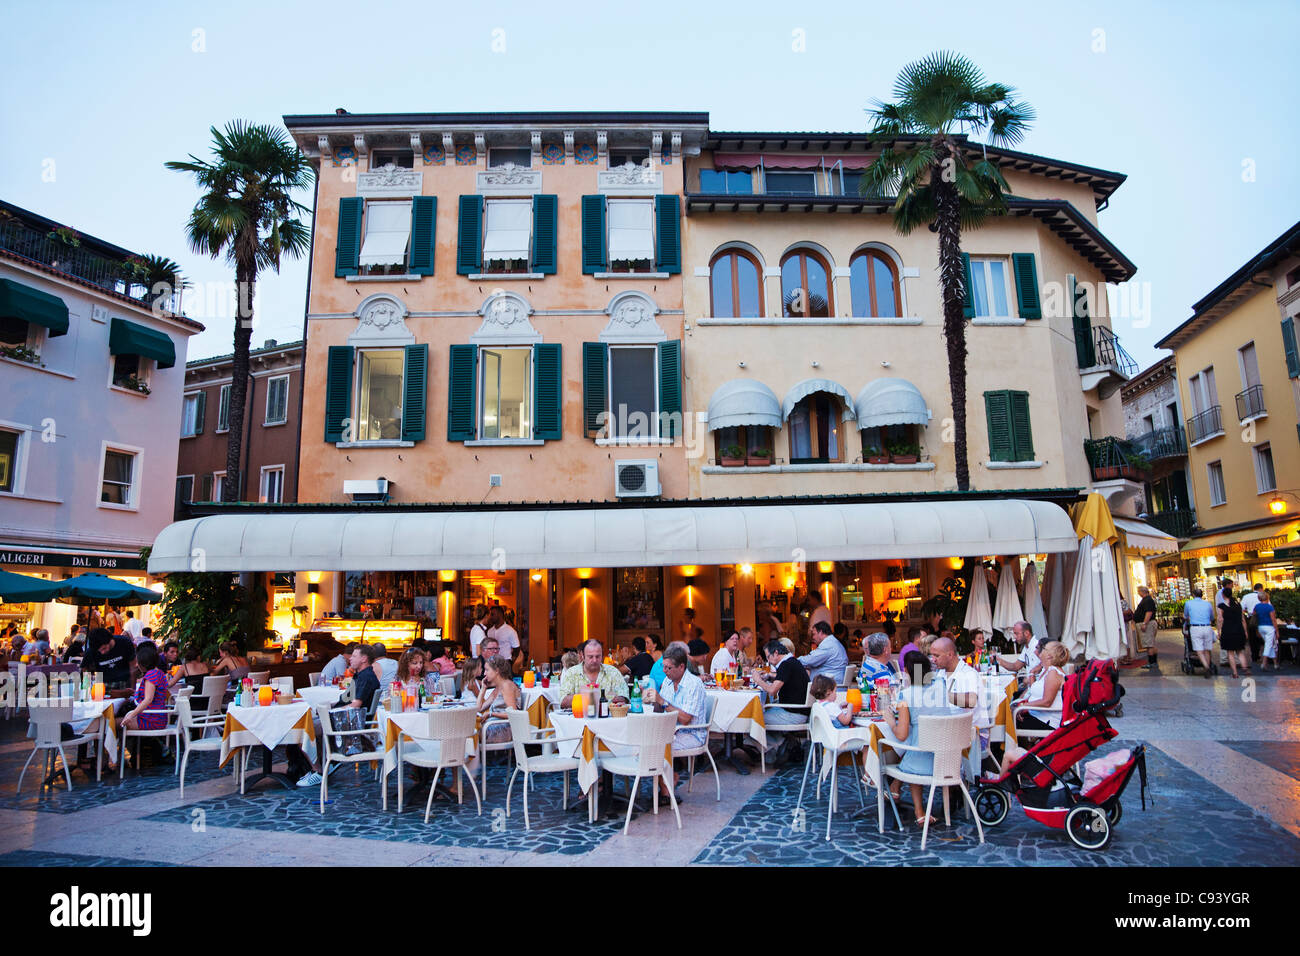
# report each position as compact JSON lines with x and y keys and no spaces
{"x":823,"y":692}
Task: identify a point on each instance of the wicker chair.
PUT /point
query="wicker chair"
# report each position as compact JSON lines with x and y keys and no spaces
{"x":945,"y":737}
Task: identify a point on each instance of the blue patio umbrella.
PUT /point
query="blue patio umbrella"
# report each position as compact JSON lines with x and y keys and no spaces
{"x":92,"y":588}
{"x":23,"y":589}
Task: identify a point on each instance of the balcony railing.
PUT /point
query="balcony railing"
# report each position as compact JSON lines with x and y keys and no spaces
{"x":1250,"y":403}
{"x":1112,"y":458}
{"x":1108,"y":351}
{"x":1161,"y":443}
{"x":1180,"y":522}
{"x":1207,"y":423}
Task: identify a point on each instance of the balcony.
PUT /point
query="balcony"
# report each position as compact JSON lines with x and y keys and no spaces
{"x":1112,"y":458}
{"x":1161,"y":444}
{"x":1208,"y":424}
{"x":1180,"y":522}
{"x":1250,"y":404}
{"x":1103,"y":363}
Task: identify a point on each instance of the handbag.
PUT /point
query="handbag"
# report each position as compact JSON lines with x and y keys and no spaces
{"x":350,"y":718}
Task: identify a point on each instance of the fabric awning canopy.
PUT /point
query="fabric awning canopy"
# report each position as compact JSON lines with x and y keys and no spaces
{"x":810,"y":386}
{"x":891,"y":401}
{"x":507,"y":230}
{"x":622,"y":536}
{"x":743,"y":401}
{"x":631,"y":235}
{"x":1144,"y":537}
{"x":787,"y":161}
{"x":131,"y":338}
{"x":18,"y":301}
{"x":388,"y":230}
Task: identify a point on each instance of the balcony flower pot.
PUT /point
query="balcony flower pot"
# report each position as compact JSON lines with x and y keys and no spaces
{"x":731,"y":462}
{"x":732,"y":456}
{"x":1104,"y":472}
{"x":902,"y":459}
{"x":904,"y":454}
{"x":758,"y":461}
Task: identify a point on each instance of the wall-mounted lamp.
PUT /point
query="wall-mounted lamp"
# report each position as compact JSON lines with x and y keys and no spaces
{"x":448,"y":586}
{"x":747,"y":569}
{"x":689,"y":580}
{"x":446,"y":575}
{"x":313,"y":577}
{"x":585,"y":584}
{"x":313,"y":587}
{"x":537,"y":577}
{"x":826,"y":578}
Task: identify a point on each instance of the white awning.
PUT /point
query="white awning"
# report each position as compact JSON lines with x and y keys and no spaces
{"x":508,"y":229}
{"x":810,"y":386}
{"x":743,"y":401}
{"x":388,"y":228}
{"x":1144,"y":537}
{"x":891,"y":401}
{"x":631,"y":235}
{"x":609,"y":537}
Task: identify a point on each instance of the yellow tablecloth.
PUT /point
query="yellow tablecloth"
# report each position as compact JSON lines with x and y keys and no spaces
{"x":269,"y":727}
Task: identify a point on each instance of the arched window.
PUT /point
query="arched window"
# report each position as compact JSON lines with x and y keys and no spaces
{"x":874,"y":283}
{"x":814,"y":427}
{"x":805,"y":286}
{"x":736,"y":285}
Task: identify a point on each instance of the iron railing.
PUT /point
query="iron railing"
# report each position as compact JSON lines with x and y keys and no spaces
{"x":1161,"y":443}
{"x":1207,"y":423}
{"x":1110,"y":352}
{"x":1180,"y":522}
{"x":1112,"y":457}
{"x":1250,"y":403}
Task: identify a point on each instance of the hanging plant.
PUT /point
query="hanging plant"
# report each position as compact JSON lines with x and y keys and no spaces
{"x":65,"y":235}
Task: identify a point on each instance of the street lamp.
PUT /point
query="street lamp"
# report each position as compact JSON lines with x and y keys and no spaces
{"x":1277,"y":504}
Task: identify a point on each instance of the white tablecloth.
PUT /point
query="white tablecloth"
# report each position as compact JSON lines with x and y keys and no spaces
{"x":726,"y":714}
{"x":325,"y":695}
{"x":551,"y":693}
{"x":84,"y":714}
{"x":268,"y":727}
{"x":610,"y":731}
{"x":414,"y":728}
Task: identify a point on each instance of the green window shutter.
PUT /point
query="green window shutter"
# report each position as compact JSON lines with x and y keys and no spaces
{"x":460,"y":393}
{"x":1289,"y":347}
{"x":997,"y":410}
{"x":1022,"y":437}
{"x":1022,"y":264}
{"x":1084,"y":347}
{"x":548,"y":392}
{"x":595,"y":373}
{"x":593,"y":234}
{"x":968,"y":308}
{"x":670,"y":386}
{"x":201,"y":406}
{"x":469,"y":237}
{"x":424,"y":231}
{"x":414,"y":388}
{"x":347,"y":249}
{"x":545,"y":215}
{"x":338,"y":393}
{"x":668,"y":234}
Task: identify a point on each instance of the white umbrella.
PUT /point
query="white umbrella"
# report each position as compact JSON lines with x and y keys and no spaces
{"x":1007,"y":609}
{"x":1059,"y":574}
{"x":978,"y":612}
{"x":1034,"y":603}
{"x":1094,"y":622}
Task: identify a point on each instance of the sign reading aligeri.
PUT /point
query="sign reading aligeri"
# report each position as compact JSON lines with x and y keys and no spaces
{"x":54,"y":559}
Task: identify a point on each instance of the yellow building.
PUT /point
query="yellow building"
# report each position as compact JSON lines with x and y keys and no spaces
{"x":1239,"y":381}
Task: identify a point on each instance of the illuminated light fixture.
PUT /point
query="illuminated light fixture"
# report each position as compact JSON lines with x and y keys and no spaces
{"x":789,"y":584}
{"x":747,"y":569}
{"x":448,"y":587}
{"x":585,"y":573}
{"x":825,"y":567}
{"x":446,"y":575}
{"x":826,"y":578}
{"x":956,"y":563}
{"x":1277,"y":505}
{"x":537,"y":577}
{"x":313,"y":588}
{"x":689,"y":579}
{"x":313,"y":577}
{"x":585,"y":584}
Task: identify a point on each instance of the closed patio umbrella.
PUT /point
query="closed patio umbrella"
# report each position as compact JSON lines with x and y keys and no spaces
{"x":92,"y":588}
{"x":1034,"y":613}
{"x":978,"y":612}
{"x":24,"y":589}
{"x":1007,"y":609}
{"x":1094,"y":621}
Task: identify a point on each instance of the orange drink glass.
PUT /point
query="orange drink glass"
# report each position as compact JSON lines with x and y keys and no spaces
{"x":854,"y":697}
{"x":97,"y":690}
{"x":265,"y":694}
{"x":579,"y":706}
{"x":530,"y":678}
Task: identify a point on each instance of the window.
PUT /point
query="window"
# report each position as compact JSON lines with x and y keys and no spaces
{"x":874,"y":285}
{"x":815,"y":429}
{"x":1248,"y":365}
{"x":118,"y":482}
{"x":1265,"y":479}
{"x":505,"y":401}
{"x":402,"y":158}
{"x":192,"y":414}
{"x":218,"y":485}
{"x":223,"y":409}
{"x":789,"y":184}
{"x":1203,"y":391}
{"x":272,"y":489}
{"x":845,"y":182}
{"x":205,"y":488}
{"x":989,"y":287}
{"x":520,"y":156}
{"x":8,"y":459}
{"x":277,"y":400}
{"x":1218,"y":495}
{"x":631,"y":235}
{"x":738,"y":182}
{"x":633,"y":392}
{"x":379,"y":394}
{"x":1010,"y":436}
{"x":736,"y":285}
{"x":131,"y":371}
{"x":623,"y":156}
{"x":507,"y":235}
{"x":754,"y":441}
{"x":805,"y":286}
{"x":13,"y":332}
{"x":900,"y":440}
{"x":387,"y":235}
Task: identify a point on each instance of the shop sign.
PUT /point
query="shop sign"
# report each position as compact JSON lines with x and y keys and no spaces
{"x":88,"y":562}
{"x":1286,"y":554}
{"x":1259,"y":544}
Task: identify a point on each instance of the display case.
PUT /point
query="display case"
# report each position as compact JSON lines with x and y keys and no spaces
{"x":396,"y":636}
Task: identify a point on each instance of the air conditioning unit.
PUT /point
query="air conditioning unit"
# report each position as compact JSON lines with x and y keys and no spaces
{"x":373,"y":489}
{"x":637,"y":479}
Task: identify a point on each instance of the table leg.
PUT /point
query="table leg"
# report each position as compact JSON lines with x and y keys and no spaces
{"x":268,"y":773}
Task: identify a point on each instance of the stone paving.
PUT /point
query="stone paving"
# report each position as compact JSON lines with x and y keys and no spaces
{"x":1223,"y":761}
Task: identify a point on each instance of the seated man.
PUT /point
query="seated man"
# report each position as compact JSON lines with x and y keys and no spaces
{"x":698,"y":654}
{"x":110,"y":656}
{"x":385,"y":669}
{"x":828,"y":656}
{"x":365,"y":682}
{"x":788,"y":686}
{"x":725,"y":660}
{"x":958,"y":682}
{"x":876,"y":662}
{"x":682,"y":693}
{"x":640,"y":663}
{"x":593,"y":671}
{"x":1027,"y":660}
{"x":338,"y":666}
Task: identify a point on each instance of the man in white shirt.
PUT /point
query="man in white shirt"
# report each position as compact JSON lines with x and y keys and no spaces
{"x":1027,"y":659}
{"x":478,"y":632}
{"x":725,"y":658}
{"x":133,"y":627}
{"x":819,"y":611}
{"x":385,"y":669}
{"x":507,"y":637}
{"x":1248,"y":602}
{"x":959,"y":681}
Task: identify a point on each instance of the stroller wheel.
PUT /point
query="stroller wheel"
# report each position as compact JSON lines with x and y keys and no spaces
{"x":1114,"y":813}
{"x":1087,"y":827}
{"x":1187,"y":668}
{"x":991,"y":805}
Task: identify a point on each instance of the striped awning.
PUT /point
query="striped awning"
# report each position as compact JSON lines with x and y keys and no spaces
{"x":743,"y":401}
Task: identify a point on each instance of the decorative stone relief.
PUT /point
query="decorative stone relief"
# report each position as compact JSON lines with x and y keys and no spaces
{"x":656,"y":143}
{"x":448,"y":148}
{"x":506,"y":321}
{"x":417,"y":147}
{"x":568,"y":144}
{"x":323,"y":144}
{"x":630,"y":179}
{"x":510,"y":180}
{"x":480,"y":145}
{"x":381,"y":320}
{"x":390,"y":180}
{"x":536,"y":141}
{"x":602,"y":141}
{"x":677,"y":145}
{"x":552,"y":154}
{"x":359,"y":143}
{"x":632,"y":319}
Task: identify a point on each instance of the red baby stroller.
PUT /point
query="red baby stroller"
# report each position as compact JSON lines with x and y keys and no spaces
{"x":1044,"y":778}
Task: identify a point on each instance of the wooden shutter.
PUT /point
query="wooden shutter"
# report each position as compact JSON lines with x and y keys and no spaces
{"x":595,"y":374}
{"x":469,"y":236}
{"x":968,"y":308}
{"x":670,"y":387}
{"x":997,"y":410}
{"x":1022,"y":437}
{"x":424,"y":230}
{"x":461,"y":374}
{"x":1289,"y":349}
{"x":414,"y":390}
{"x":347,"y":248}
{"x":545,"y":214}
{"x":338,"y":393}
{"x":1084,"y":347}
{"x":593,"y":234}
{"x":200,"y":408}
{"x":668,"y":234}
{"x":548,"y":392}
{"x":1022,"y":264}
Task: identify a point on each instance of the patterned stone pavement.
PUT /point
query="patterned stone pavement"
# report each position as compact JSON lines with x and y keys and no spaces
{"x":1282,"y":756}
{"x":39,"y":858}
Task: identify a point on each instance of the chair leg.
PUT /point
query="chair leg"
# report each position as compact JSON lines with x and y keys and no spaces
{"x":862,"y":793}
{"x":510,"y":788}
{"x":628,"y":820}
{"x":654,"y":798}
{"x":527,"y":825}
{"x":947,"y":817}
{"x":925,"y":830}
{"x":325,"y":787}
{"x":433,"y":786}
{"x":63,"y":759}
{"x":970,"y":808}
{"x":717,"y":781}
{"x":672,"y":796}
{"x":477,"y":800}
{"x":690,"y":773}
{"x":566,"y":790}
{"x":35,"y":751}
{"x":184,"y":762}
{"x":806,"y":764}
{"x":830,"y":803}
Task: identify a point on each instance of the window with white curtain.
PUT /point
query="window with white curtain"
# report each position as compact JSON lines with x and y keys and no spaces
{"x":631,"y":231}
{"x":388,"y":231}
{"x":272,"y":490}
{"x":507,"y":234}
{"x":277,"y":400}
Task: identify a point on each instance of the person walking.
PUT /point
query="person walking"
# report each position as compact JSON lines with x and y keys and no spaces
{"x":1199,"y":615}
{"x":1232,"y":630}
{"x":1144,"y":617}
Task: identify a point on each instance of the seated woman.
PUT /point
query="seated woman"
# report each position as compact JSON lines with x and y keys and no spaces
{"x":901,"y":717}
{"x":192,"y":671}
{"x":978,"y":641}
{"x":230,"y":662}
{"x":498,"y":692}
{"x":1043,"y":691}
{"x":469,"y":683}
{"x":439,"y":661}
{"x":413,"y":667}
{"x":151,"y":693}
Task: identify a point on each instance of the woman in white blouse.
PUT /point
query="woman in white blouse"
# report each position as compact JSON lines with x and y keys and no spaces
{"x":1044,"y":691}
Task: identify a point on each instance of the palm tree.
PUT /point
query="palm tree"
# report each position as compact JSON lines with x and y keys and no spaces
{"x":247,"y":211}
{"x":940,"y":182}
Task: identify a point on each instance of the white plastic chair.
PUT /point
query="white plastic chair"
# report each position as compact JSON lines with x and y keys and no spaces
{"x":259,"y":677}
{"x":48,"y":715}
{"x":701,"y":751}
{"x":171,"y":731}
{"x":833,"y":742}
{"x":1024,"y":732}
{"x":187,"y":722}
{"x":523,"y":733}
{"x":945,"y":737}
{"x":650,"y":734}
{"x":214,"y":689}
{"x":450,"y":728}
{"x":850,"y":675}
{"x":313,"y":679}
{"x":328,"y":756}
{"x":491,"y":719}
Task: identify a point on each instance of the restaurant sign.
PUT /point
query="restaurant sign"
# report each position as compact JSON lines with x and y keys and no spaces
{"x":54,"y":559}
{"x":1239,"y":547}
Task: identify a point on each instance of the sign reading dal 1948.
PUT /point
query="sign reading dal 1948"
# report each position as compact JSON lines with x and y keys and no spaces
{"x":94,"y":562}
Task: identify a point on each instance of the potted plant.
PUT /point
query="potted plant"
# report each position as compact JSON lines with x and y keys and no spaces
{"x":135,"y":384}
{"x":732,"y":456}
{"x":65,"y":235}
{"x":875,"y":455}
{"x":20,"y":353}
{"x":904,"y":453}
{"x":759,"y":457}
